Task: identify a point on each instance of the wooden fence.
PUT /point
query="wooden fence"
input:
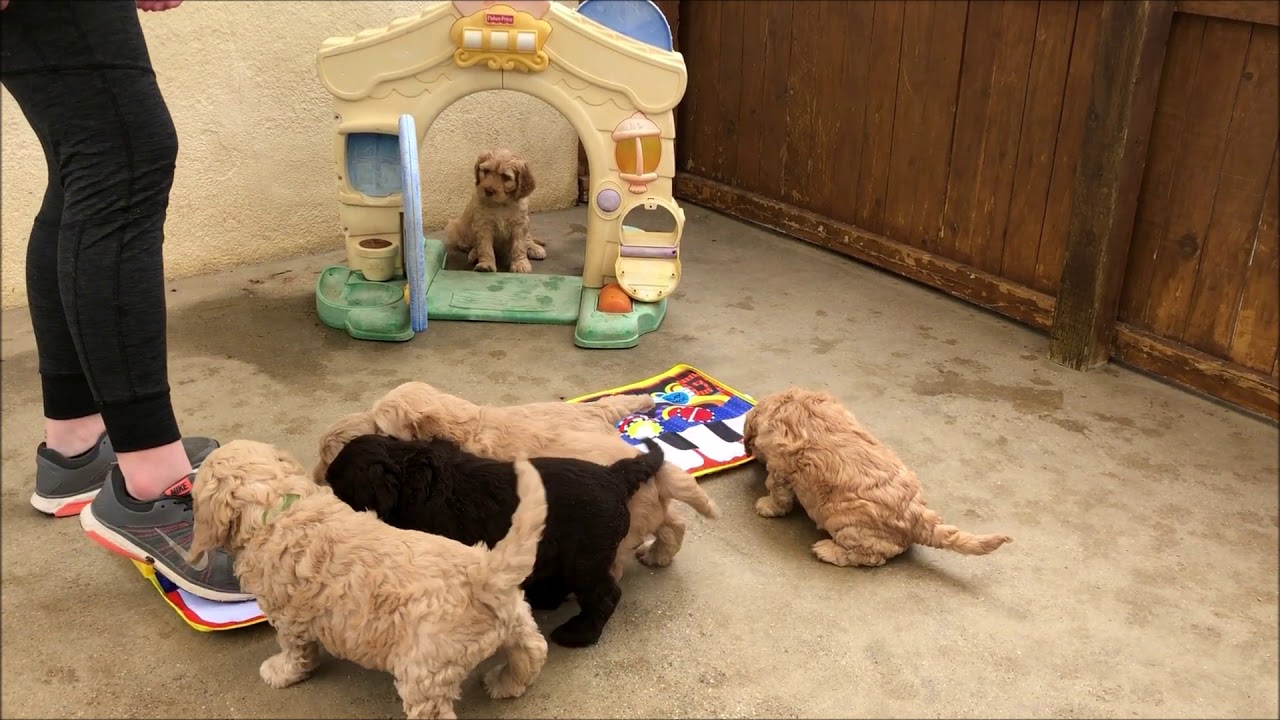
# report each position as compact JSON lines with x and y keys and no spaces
{"x":1104,"y":171}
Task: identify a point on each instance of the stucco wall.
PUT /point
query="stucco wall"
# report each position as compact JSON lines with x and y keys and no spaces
{"x":255,"y":177}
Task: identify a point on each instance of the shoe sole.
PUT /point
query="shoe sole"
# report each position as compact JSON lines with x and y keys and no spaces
{"x":64,"y":506}
{"x":118,"y":544}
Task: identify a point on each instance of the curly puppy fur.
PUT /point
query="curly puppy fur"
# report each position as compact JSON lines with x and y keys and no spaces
{"x":601,"y":416}
{"x":416,"y":410}
{"x":496,"y":218}
{"x":342,"y":431}
{"x":422,"y":607}
{"x":855,"y":488}
{"x":437,"y":487}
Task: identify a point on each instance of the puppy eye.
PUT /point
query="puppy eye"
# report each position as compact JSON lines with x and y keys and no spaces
{"x":508,"y":177}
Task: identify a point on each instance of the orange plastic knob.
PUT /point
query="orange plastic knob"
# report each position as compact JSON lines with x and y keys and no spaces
{"x":613,"y":299}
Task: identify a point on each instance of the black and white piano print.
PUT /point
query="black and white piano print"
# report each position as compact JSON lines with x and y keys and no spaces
{"x":711,"y":444}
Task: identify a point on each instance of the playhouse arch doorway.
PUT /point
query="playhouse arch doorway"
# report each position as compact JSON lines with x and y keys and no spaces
{"x":432,"y":106}
{"x":527,"y":125}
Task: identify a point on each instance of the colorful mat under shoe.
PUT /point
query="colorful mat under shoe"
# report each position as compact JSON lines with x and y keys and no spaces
{"x":203,"y":615}
{"x":698,"y":420}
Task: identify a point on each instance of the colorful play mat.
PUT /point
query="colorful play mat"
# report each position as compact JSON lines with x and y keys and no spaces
{"x":698,"y":420}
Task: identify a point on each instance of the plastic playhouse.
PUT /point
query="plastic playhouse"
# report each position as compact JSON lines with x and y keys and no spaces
{"x":608,"y":67}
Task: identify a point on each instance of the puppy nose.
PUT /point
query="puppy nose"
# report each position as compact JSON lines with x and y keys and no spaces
{"x":489,"y":192}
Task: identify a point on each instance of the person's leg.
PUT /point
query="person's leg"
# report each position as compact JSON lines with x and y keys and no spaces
{"x":81,"y":73}
{"x":73,"y":461}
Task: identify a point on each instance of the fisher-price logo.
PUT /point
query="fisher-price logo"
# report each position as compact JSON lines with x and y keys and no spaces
{"x":499,"y":19}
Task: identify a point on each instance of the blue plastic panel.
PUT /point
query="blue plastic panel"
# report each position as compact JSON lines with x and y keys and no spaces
{"x":373,"y":163}
{"x":637,"y":19}
{"x":415,"y":263}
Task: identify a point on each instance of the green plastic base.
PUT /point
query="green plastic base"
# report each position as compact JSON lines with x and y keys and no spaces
{"x":369,"y":310}
{"x":504,"y":297}
{"x":601,"y":330}
{"x":366,"y":310}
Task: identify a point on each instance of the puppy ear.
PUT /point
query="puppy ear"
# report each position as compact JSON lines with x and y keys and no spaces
{"x":214,"y":524}
{"x":524,"y":180}
{"x":485,"y":157}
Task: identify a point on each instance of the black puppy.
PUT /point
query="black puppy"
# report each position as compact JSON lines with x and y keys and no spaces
{"x":437,"y":487}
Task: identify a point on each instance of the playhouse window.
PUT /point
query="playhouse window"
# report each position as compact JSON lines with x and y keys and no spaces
{"x":525,"y":41}
{"x":373,"y":163}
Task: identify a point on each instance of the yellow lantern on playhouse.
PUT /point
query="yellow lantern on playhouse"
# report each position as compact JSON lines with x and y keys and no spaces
{"x":638,"y":149}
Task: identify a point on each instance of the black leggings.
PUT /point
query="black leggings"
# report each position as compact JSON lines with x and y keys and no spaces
{"x":81,"y":73}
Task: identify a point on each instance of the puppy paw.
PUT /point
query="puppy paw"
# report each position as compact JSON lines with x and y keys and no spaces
{"x":500,"y":684}
{"x":486,"y":266}
{"x":280,"y":671}
{"x":770,"y":508}
{"x":574,"y":635}
{"x":829,"y":551}
{"x":521,"y":266}
{"x":537,"y":252}
{"x":655,"y":555}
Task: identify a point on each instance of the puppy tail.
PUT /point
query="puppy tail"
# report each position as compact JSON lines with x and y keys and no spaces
{"x":635,"y":471}
{"x":512,"y":559}
{"x":680,"y":485}
{"x":931,"y":531}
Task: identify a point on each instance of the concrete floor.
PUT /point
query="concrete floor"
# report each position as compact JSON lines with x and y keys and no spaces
{"x":1142,"y":583}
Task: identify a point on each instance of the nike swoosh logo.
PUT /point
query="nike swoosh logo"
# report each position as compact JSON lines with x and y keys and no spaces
{"x":186,"y":556}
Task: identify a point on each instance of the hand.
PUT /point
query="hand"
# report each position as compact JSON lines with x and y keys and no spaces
{"x":4,"y":4}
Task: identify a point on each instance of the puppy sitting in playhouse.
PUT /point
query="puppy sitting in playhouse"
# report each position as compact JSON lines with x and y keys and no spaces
{"x":608,"y":67}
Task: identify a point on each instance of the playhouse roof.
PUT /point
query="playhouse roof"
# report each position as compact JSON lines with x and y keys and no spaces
{"x":653,"y":78}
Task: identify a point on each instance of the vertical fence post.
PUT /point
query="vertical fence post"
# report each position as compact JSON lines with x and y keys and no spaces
{"x":1130,"y":56}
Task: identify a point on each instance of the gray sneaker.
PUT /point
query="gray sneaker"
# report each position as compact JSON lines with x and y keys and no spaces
{"x":64,"y":484}
{"x":159,"y":533}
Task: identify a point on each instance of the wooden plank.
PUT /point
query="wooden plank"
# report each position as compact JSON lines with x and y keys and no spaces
{"x":729,"y":91}
{"x":1122,"y":102}
{"x":842,"y":197}
{"x":834,"y":108}
{"x":1151,"y":224}
{"x":1201,"y":153}
{"x":942,"y":92}
{"x":1003,"y":129}
{"x":989,"y":291}
{"x":1039,"y":138}
{"x":977,"y":69}
{"x":1238,"y":200}
{"x":752,"y":106}
{"x":812,"y":53}
{"x":1075,"y":103}
{"x":1265,"y":12}
{"x":1256,"y":335}
{"x":1197,"y":371}
{"x":908,"y":156}
{"x":699,"y":115}
{"x":777,"y":79}
{"x":1133,"y":347}
{"x":877,"y":132}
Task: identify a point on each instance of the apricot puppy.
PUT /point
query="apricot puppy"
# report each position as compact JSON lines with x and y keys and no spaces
{"x":851,"y":485}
